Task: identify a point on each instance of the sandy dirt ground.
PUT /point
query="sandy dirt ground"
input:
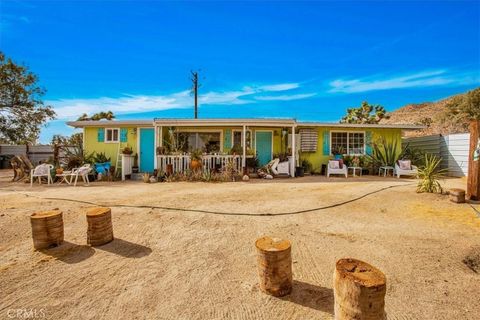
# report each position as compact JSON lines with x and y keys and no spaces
{"x":172,"y":264}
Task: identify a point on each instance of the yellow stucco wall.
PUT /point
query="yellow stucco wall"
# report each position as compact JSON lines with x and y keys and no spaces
{"x":318,"y":158}
{"x":91,"y":143}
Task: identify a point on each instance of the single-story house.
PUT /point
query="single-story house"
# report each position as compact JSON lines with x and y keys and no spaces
{"x":164,"y":141}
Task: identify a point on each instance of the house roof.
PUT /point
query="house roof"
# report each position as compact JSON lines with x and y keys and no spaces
{"x":110,"y":123}
{"x":261,"y":122}
{"x":353,"y":125}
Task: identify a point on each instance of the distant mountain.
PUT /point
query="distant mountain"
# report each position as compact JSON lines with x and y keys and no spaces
{"x":435,"y":115}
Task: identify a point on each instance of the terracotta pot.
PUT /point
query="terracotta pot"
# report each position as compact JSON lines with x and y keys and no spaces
{"x":195,"y":165}
{"x":59,"y":171}
{"x":169,"y":170}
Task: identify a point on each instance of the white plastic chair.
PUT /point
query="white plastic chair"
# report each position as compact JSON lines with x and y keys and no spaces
{"x":402,"y":172}
{"x":40,"y":171}
{"x":83,"y":172}
{"x":332,"y":170}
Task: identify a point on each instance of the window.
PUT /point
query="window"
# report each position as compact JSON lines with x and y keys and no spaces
{"x":347,"y":142}
{"x":237,"y":138}
{"x":111,"y":135}
{"x":208,"y":142}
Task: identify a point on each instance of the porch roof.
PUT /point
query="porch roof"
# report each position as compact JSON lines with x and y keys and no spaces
{"x":259,"y":122}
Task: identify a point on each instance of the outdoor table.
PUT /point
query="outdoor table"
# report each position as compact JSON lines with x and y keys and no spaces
{"x":64,"y":177}
{"x":354,"y":169}
{"x":385,"y":170}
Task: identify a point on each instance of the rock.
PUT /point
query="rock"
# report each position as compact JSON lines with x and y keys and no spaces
{"x":269,"y":177}
{"x":246,"y":178}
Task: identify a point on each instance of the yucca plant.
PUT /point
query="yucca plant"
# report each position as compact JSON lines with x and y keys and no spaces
{"x":430,"y":173}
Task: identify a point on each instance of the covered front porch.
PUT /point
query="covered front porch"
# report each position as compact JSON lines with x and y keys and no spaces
{"x":222,"y":143}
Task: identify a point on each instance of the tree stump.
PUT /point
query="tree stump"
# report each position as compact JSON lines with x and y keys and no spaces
{"x":100,"y":229}
{"x":47,"y":229}
{"x":457,"y":195}
{"x":359,"y":291}
{"x":274,"y":261}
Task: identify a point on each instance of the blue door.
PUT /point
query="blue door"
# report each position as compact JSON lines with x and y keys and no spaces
{"x":147,"y":141}
{"x":263,"y":146}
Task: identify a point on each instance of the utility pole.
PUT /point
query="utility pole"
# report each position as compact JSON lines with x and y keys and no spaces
{"x":195,"y":91}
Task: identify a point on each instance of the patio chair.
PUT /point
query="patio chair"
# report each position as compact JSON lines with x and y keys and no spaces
{"x":40,"y":171}
{"x":401,"y":169}
{"x":334,"y":168}
{"x":83,"y":172}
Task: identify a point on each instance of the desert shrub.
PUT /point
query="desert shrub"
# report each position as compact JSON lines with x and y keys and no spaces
{"x":417,"y":156}
{"x":429,"y":174}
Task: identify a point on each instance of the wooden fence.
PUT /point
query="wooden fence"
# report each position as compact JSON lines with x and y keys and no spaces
{"x":36,"y":154}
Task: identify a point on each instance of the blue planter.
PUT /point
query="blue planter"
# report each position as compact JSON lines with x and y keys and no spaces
{"x":338,"y":156}
{"x":102,"y":168}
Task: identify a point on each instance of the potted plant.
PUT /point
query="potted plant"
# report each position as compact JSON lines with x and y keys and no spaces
{"x":196,"y":159}
{"x":161,"y":151}
{"x":135,"y":163}
{"x":306,"y":166}
{"x":127,"y":150}
{"x":338,"y":152}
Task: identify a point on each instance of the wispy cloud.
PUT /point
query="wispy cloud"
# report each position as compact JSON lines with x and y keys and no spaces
{"x":280,"y":87}
{"x":413,"y":80}
{"x":286,"y":97}
{"x":72,"y":108}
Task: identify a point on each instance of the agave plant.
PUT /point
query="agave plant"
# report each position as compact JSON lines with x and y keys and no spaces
{"x":429,"y":174}
{"x":385,"y":153}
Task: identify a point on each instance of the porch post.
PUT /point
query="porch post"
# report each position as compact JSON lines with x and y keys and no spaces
{"x":161,"y":136}
{"x":293,"y":164}
{"x":155,"y":138}
{"x":244,"y":142}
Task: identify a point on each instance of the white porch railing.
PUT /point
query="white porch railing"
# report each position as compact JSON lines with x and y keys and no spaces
{"x":127,"y":163}
{"x":181,"y":163}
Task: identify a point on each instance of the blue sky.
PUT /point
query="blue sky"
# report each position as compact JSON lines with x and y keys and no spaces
{"x":306,"y":60}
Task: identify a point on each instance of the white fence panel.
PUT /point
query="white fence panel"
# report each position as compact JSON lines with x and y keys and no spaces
{"x":456,"y":154}
{"x":453,"y":149}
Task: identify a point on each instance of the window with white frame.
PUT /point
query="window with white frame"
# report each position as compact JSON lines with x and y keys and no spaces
{"x":112,"y":134}
{"x":237,"y":138}
{"x":347,"y":142}
{"x":209,"y":142}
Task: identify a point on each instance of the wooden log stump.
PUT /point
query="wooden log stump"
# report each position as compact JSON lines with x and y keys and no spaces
{"x":457,"y":195}
{"x":100,"y":229}
{"x":359,"y":291}
{"x":47,"y":229}
{"x":274,"y":261}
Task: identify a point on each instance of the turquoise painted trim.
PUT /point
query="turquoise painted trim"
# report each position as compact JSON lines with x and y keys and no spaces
{"x":263,"y":146}
{"x":123,"y":135}
{"x":227,"y":139}
{"x":368,"y":142}
{"x":147,"y":141}
{"x":326,"y":143}
{"x":101,"y":135}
